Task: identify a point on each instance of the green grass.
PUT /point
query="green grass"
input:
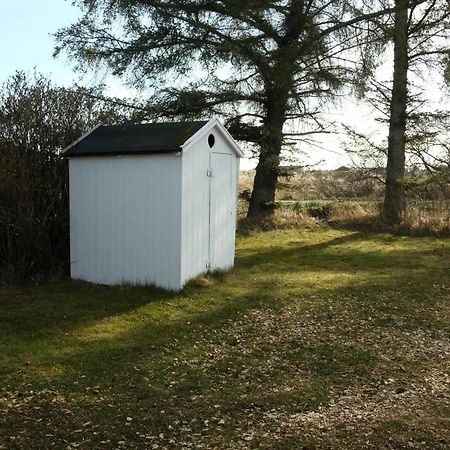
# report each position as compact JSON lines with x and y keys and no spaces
{"x":319,"y":338}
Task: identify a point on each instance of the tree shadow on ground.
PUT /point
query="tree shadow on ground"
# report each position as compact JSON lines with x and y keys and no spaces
{"x":41,"y":308}
{"x":212,"y":360}
{"x":374,"y":224}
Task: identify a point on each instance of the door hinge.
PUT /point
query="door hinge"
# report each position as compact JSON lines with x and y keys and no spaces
{"x":209,"y":173}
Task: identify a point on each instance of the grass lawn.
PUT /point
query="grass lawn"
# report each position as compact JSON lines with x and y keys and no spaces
{"x":320,"y":338}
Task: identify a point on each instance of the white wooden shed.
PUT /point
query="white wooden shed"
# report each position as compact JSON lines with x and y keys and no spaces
{"x":152,"y":203}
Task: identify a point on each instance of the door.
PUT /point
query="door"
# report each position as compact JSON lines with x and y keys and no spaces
{"x":222,"y":220}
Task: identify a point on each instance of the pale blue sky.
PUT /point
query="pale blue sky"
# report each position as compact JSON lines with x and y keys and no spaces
{"x":25,"y":36}
{"x":26,"y":42}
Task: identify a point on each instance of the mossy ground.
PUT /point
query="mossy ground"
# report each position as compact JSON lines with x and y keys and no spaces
{"x":319,"y":338}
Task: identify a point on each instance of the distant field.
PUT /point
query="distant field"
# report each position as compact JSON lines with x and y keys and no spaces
{"x":321,"y":185}
{"x":342,"y":197}
{"x":319,"y":338}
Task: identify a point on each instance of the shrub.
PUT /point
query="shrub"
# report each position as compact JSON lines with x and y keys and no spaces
{"x":37,"y":120}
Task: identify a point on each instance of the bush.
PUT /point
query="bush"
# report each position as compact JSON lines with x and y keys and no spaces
{"x":37,"y":120}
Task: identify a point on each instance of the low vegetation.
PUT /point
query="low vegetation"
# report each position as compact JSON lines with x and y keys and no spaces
{"x":37,"y":120}
{"x":319,"y":338}
{"x":343,"y":198}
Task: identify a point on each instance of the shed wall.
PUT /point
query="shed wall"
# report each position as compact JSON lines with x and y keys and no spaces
{"x":201,"y":232}
{"x":223,"y":211}
{"x":125,"y":221}
{"x":195,"y":211}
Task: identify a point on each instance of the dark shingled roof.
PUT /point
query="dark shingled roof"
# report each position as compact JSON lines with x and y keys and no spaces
{"x":135,"y":139}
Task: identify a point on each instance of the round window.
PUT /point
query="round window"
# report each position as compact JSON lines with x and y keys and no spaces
{"x":211,"y":140}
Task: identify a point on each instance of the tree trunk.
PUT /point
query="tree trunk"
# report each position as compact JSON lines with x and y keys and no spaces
{"x":394,"y":202}
{"x":266,"y":176}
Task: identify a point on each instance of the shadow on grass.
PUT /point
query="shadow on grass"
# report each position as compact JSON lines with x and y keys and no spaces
{"x":166,"y":375}
{"x":171,"y":362}
{"x":39,"y":308}
{"x":356,"y":252}
{"x":374,"y":224}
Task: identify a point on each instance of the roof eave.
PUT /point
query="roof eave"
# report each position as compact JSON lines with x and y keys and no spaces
{"x":84,"y":136}
{"x":122,"y":153}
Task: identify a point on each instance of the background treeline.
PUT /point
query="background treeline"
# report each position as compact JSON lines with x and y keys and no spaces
{"x":270,"y":70}
{"x":37,"y":121}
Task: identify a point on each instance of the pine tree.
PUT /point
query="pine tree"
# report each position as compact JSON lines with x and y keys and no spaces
{"x":263,"y":65}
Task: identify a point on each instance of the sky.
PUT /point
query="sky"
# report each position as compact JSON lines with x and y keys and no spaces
{"x":25,"y":35}
{"x":27,"y":43}
{"x":26,"y":28}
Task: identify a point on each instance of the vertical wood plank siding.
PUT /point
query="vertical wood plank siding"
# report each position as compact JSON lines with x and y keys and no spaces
{"x":195,"y":211}
{"x":200,"y":212}
{"x":126,"y":220}
{"x":154,"y":219}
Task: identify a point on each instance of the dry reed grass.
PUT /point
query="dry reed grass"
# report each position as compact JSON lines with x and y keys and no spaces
{"x":428,"y":218}
{"x":323,"y":185}
{"x":316,"y":198}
